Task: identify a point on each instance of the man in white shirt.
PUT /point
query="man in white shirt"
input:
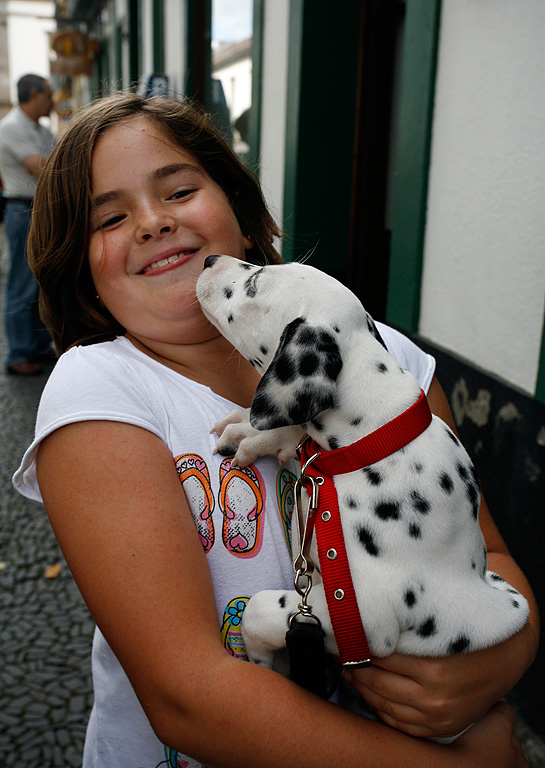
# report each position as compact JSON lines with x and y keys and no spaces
{"x":25,"y":145}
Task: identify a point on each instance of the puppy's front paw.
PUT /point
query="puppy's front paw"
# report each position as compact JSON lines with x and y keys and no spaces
{"x":238,"y":438}
{"x":241,"y":441}
{"x":236,"y":416}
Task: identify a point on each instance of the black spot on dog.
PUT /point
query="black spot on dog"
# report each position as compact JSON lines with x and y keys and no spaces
{"x":326,"y":342}
{"x":333,"y":366}
{"x":459,"y":645}
{"x":452,"y":436}
{"x":463,"y":472}
{"x":428,"y":628}
{"x":418,"y":468}
{"x":382,"y":367}
{"x":282,"y":601}
{"x":415,"y":532}
{"x":308,"y":364}
{"x":372,"y":475}
{"x":409,"y":598}
{"x":467,"y":474}
{"x":419,"y":503}
{"x":495,"y":577}
{"x":333,"y":443}
{"x":445,"y":481}
{"x":351,"y":502}
{"x":308,"y":337}
{"x":230,"y":319}
{"x":227,"y":292}
{"x":263,"y":350}
{"x":284,"y":368}
{"x":515,"y":603}
{"x":245,"y":265}
{"x":263,"y":404}
{"x":318,"y":426}
{"x":355,"y":422}
{"x":473,"y":565}
{"x":252,"y":362}
{"x":474,"y":499}
{"x":336,"y":329}
{"x":299,"y":407}
{"x":387,"y":510}
{"x":368,"y":541}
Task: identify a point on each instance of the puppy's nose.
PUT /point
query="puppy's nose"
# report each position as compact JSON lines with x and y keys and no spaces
{"x":210,"y":261}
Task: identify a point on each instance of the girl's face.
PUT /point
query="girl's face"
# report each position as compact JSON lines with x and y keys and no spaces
{"x":157,"y":216}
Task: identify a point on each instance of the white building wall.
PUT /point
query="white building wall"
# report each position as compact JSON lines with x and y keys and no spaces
{"x":5,"y":82}
{"x":484,"y":261}
{"x":175,"y":52}
{"x":29,"y":25}
{"x":273,"y":103}
{"x":147,"y":37}
{"x":236,"y":80}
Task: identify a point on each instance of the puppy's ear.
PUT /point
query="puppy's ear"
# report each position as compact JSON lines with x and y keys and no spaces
{"x":300,"y":382}
{"x":373,"y":330}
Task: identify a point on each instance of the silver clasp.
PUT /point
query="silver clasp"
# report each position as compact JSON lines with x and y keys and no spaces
{"x":303,"y":565}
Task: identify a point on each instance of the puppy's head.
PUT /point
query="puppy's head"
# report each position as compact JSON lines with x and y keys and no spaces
{"x":291,"y":322}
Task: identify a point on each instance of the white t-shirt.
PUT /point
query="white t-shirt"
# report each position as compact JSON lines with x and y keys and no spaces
{"x":246,"y":549}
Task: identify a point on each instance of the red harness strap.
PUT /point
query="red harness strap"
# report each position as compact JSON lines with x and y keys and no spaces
{"x":335,"y":569}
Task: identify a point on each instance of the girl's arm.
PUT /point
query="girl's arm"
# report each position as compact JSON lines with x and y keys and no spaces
{"x":120,"y":515}
{"x":441,"y":697}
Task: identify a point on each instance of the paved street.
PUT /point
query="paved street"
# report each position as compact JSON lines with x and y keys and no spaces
{"x":45,"y":629}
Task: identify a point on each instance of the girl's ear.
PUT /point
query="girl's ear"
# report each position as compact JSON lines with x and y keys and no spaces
{"x":248,"y":242}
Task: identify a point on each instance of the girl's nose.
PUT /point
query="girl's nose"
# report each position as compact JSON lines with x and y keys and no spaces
{"x":153,"y":221}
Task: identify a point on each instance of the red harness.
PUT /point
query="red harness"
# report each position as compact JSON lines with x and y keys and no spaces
{"x":326,"y":520}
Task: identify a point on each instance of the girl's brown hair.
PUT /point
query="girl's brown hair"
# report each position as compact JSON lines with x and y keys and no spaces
{"x":60,"y":232}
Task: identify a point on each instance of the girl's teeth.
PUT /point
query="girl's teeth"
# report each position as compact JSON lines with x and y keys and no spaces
{"x":163,"y":262}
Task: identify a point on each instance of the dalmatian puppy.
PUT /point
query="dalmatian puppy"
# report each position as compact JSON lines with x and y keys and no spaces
{"x":416,"y":552}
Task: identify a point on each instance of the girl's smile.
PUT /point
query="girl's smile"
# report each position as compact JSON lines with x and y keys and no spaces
{"x":176,"y":259}
{"x":156,"y":216}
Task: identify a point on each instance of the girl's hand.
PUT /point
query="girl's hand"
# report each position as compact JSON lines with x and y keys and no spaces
{"x":435,"y":697}
{"x":491,"y":741}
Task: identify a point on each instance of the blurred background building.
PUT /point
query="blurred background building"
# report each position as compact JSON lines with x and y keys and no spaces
{"x":402,"y":143}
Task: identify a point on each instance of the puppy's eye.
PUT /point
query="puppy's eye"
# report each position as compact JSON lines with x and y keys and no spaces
{"x":251,"y":284}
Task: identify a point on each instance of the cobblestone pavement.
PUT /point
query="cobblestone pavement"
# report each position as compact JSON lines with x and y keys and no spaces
{"x":45,"y":629}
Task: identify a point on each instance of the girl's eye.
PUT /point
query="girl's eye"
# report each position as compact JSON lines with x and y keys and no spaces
{"x":111,"y":222}
{"x":181,"y":193}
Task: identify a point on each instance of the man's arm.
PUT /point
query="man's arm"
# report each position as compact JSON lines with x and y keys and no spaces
{"x":34,"y":163}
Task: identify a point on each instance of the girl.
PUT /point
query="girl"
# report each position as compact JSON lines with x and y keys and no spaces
{"x":165,"y":539}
